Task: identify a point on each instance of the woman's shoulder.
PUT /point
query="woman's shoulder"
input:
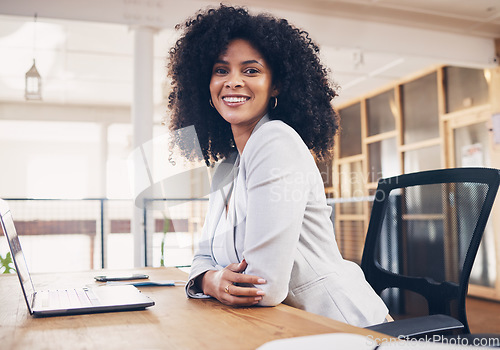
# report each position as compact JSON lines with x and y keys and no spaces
{"x":277,"y":142}
{"x":277,"y":126}
{"x":277,"y":133}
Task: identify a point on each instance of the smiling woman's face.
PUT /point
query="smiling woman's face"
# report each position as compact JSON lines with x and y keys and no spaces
{"x":241,"y":84}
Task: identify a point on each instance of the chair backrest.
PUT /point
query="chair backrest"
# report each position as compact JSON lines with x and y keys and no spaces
{"x":424,"y":233}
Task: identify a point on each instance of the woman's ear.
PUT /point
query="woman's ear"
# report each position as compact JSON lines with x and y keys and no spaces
{"x":275,"y":91}
{"x":276,"y":88}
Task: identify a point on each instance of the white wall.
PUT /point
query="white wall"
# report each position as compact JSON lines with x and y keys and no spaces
{"x":49,"y":159}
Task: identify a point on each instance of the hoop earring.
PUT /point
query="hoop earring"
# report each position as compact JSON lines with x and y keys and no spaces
{"x":211,"y":103}
{"x":275,"y":102}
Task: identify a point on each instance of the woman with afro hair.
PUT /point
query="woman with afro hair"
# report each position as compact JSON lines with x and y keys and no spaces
{"x":260,"y":101}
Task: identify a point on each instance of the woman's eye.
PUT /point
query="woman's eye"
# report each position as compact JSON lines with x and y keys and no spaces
{"x":220,"y":71}
{"x":251,"y":71}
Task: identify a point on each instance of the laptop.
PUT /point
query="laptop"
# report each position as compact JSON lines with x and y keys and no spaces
{"x":67,"y":301}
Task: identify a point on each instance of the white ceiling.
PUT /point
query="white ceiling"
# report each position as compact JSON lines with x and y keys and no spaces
{"x":367,"y":44}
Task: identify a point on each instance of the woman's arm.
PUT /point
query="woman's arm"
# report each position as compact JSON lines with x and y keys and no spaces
{"x":209,"y":279}
{"x":202,"y":262}
{"x":279,"y":170}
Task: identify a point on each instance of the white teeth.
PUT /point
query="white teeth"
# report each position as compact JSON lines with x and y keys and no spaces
{"x":234,"y":99}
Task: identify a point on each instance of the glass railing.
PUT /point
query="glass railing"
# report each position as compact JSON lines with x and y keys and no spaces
{"x":81,"y":234}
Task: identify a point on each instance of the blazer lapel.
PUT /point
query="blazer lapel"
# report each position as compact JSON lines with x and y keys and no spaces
{"x":231,"y":221}
{"x":218,"y":201}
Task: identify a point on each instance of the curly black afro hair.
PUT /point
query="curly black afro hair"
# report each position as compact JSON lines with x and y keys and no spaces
{"x":305,"y":93}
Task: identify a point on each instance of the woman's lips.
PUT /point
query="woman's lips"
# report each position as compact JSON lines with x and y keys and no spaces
{"x":235,"y":100}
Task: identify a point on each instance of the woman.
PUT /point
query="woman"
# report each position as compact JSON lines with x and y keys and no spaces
{"x":259,"y":99}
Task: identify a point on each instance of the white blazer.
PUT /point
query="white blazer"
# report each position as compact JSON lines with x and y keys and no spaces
{"x":279,"y":222}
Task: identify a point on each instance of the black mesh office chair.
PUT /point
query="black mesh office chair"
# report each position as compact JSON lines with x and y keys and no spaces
{"x":424,"y":233}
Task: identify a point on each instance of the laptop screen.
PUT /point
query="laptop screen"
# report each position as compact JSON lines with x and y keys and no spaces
{"x":17,"y":253}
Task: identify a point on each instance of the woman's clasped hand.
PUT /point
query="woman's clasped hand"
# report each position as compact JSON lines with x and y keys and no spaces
{"x":231,"y":287}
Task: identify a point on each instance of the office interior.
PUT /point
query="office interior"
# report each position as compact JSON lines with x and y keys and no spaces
{"x":418,"y":87}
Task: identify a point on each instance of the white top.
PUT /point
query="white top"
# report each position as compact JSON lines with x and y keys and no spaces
{"x":279,"y":222}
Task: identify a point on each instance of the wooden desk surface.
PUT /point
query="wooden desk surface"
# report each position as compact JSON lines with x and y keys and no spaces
{"x":175,"y":322}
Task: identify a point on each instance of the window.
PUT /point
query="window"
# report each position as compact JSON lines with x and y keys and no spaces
{"x":420,"y":109}
{"x":383,"y":159}
{"x":465,"y":87}
{"x":381,"y":111}
{"x":427,"y":158}
{"x":350,"y":134}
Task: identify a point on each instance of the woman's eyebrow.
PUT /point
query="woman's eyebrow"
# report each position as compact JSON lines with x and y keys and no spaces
{"x":252,"y":61}
{"x":243,"y":63}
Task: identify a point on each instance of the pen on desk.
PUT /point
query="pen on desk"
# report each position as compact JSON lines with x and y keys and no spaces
{"x":169,"y":283}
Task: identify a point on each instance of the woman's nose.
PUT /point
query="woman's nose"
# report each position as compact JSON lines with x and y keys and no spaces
{"x":234,"y":80}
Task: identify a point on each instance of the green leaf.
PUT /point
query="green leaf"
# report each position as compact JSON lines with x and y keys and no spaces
{"x":5,"y":263}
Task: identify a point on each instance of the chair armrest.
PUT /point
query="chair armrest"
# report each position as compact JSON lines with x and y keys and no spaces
{"x":418,"y":326}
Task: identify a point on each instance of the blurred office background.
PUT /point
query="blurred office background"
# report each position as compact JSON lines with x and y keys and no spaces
{"x":418,"y":90}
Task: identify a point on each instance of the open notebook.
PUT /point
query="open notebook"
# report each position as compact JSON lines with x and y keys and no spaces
{"x":70,"y":300}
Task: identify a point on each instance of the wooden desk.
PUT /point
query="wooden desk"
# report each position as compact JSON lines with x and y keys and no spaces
{"x":175,"y":322}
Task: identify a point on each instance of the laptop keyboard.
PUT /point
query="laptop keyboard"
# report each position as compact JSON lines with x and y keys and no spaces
{"x":65,"y":298}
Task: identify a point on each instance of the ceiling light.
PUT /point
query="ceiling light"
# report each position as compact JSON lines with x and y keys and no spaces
{"x":33,"y":80}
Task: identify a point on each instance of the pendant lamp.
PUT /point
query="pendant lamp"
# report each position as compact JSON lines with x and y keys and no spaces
{"x":33,"y":80}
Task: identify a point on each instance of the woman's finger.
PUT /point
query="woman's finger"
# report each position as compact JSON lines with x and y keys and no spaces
{"x":243,"y":291}
{"x":246,"y":279}
{"x":240,"y":301}
{"x":240,"y":267}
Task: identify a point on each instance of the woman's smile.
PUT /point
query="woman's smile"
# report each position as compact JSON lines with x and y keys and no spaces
{"x":235,"y":100}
